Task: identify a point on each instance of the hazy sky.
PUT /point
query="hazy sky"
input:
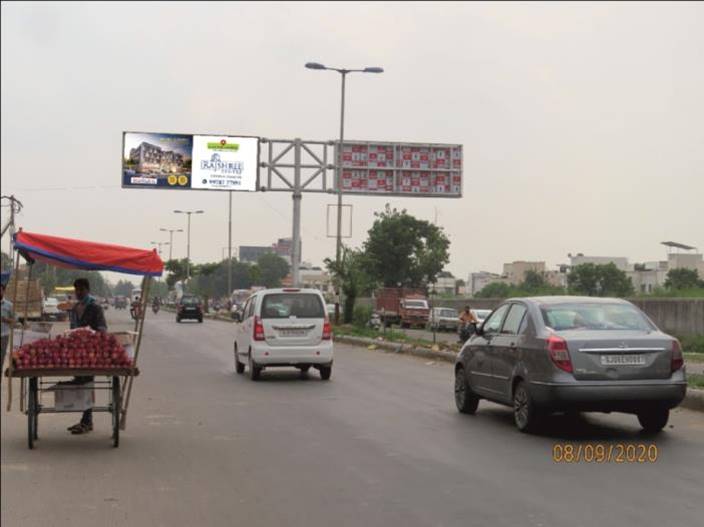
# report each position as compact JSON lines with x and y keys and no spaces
{"x":582,"y":124}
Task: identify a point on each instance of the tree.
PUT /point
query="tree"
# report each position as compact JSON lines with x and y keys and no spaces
{"x":177,"y":271}
{"x":6,"y":262}
{"x":352,"y":276}
{"x":599,"y":280}
{"x":123,"y":288}
{"x":402,"y":249}
{"x":458,"y":285}
{"x":533,"y":282}
{"x":273,"y":269}
{"x":683,"y":279}
{"x":495,"y":290}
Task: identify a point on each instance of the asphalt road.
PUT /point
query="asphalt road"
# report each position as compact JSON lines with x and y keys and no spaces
{"x":379,"y":445}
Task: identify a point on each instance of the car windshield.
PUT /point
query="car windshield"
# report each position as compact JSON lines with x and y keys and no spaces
{"x":482,"y":313}
{"x":448,"y":313}
{"x":52,"y":301}
{"x":586,"y":316}
{"x":300,"y":305}
{"x":190,"y":301}
{"x":416,"y":304}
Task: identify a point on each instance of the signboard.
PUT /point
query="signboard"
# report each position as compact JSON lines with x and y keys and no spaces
{"x":179,"y":161}
{"x":402,"y":169}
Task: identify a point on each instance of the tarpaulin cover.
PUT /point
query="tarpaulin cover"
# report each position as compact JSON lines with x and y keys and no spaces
{"x":91,"y":256}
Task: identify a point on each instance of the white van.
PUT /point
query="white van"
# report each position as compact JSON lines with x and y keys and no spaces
{"x":284,"y":327}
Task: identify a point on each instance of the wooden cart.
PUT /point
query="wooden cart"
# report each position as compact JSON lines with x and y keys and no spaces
{"x":91,"y":256}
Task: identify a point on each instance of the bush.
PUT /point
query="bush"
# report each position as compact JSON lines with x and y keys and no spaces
{"x":361,"y":316}
{"x":692,"y":344}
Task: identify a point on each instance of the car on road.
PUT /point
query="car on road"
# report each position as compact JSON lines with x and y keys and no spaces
{"x":284,"y":327}
{"x":189,"y":307}
{"x":571,"y":354}
{"x":444,"y":319}
{"x":51,"y":311}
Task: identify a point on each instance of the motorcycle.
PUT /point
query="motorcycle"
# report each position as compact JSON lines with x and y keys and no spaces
{"x":155,"y":308}
{"x":135,"y":311}
{"x":466,"y":331}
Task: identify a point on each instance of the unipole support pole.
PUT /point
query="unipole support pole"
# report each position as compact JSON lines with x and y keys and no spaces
{"x":229,"y":246}
{"x":297,"y":195}
{"x":188,"y":250}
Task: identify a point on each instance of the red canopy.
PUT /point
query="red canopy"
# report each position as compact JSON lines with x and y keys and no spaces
{"x":91,"y":256}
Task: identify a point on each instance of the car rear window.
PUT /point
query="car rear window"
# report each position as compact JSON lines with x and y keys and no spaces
{"x":449,"y":313}
{"x":586,"y":316}
{"x":190,"y":301}
{"x":300,"y":305}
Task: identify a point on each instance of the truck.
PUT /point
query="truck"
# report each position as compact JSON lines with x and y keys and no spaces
{"x":29,"y":299}
{"x":405,"y":306}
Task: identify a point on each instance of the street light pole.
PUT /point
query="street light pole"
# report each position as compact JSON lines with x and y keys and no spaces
{"x":338,"y":245}
{"x":188,"y":239}
{"x":171,"y":239}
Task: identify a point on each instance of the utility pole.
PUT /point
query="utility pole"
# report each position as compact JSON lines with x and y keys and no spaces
{"x":171,"y":239}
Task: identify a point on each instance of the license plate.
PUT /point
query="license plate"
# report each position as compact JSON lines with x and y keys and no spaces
{"x":622,"y":360}
{"x":293,"y":332}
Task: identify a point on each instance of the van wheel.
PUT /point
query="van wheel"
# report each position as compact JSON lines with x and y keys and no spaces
{"x":525,"y":413}
{"x":200,"y":320}
{"x":465,"y":399}
{"x":254,"y":370}
{"x":654,"y":420}
{"x":239,"y":367}
{"x":325,"y":372}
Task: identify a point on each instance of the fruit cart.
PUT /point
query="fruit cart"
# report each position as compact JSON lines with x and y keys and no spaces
{"x":40,"y":364}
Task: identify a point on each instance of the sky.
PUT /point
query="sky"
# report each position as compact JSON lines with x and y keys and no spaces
{"x":581,"y":123}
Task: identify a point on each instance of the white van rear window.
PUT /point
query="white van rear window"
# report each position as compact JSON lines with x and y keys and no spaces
{"x":300,"y":305}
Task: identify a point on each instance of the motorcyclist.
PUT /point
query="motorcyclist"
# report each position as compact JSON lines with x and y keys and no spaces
{"x":468,"y":323}
{"x":156,"y":304}
{"x":135,"y":307}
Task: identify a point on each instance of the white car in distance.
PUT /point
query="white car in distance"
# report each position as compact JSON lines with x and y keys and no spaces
{"x":284,"y":327}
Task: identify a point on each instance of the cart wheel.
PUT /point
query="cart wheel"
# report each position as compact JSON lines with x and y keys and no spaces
{"x":116,"y":412}
{"x":32,"y":413}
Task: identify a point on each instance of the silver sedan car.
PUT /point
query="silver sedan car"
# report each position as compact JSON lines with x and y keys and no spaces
{"x":570,"y":354}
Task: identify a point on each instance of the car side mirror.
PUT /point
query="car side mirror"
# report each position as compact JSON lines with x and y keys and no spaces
{"x":480,"y":330}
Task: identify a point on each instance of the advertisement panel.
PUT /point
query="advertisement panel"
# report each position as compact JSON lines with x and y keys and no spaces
{"x":401,"y":169}
{"x":183,"y":162}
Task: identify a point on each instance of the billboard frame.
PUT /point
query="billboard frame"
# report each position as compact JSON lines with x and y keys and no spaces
{"x":396,"y":170}
{"x":129,"y":187}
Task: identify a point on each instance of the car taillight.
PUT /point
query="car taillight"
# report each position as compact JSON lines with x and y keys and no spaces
{"x":258,"y":329}
{"x":677,"y":358}
{"x":327,"y":330}
{"x":557,"y":347}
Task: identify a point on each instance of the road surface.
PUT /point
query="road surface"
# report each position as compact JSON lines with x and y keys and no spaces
{"x":381,"y":444}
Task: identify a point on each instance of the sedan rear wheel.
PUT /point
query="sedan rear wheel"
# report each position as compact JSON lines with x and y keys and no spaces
{"x":525,"y":413}
{"x":654,"y":420}
{"x":465,"y":399}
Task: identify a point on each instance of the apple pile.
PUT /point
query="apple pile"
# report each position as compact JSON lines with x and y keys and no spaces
{"x":80,"y":348}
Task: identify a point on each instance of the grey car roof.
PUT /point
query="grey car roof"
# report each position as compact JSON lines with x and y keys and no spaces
{"x":571,"y":299}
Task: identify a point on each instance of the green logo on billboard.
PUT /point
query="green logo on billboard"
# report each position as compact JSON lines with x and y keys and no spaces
{"x":224,"y":145}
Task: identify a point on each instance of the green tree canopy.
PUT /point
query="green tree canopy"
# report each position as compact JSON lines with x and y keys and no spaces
{"x":352,"y":276}
{"x":402,"y":249}
{"x":273,"y":269}
{"x":123,"y":288}
{"x":683,"y":279}
{"x":495,"y":290}
{"x":534,"y":282}
{"x":599,"y":280}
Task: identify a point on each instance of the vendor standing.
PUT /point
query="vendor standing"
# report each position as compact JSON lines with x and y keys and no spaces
{"x":85,"y":313}
{"x":8,"y":320}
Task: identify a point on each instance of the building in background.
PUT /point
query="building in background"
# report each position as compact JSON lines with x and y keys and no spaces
{"x":312,"y":277}
{"x":478,"y":281}
{"x":515,"y":272}
{"x":445,"y":283}
{"x":284,"y":248}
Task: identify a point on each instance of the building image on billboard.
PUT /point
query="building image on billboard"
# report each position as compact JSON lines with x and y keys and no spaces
{"x":156,"y":160}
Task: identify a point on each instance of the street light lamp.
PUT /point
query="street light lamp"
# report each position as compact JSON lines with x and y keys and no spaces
{"x":159,"y":244}
{"x":188,"y":238}
{"x":338,"y":248}
{"x":171,"y":238}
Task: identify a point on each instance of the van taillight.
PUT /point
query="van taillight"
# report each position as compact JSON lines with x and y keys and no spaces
{"x":327,"y":330}
{"x":557,"y":347}
{"x":258,"y":329}
{"x":677,"y":358}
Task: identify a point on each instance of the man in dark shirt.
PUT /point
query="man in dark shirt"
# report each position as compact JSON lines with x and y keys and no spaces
{"x":86,"y":313}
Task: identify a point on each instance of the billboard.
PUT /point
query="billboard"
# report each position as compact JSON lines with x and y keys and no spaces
{"x":402,"y":169}
{"x":183,"y":162}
